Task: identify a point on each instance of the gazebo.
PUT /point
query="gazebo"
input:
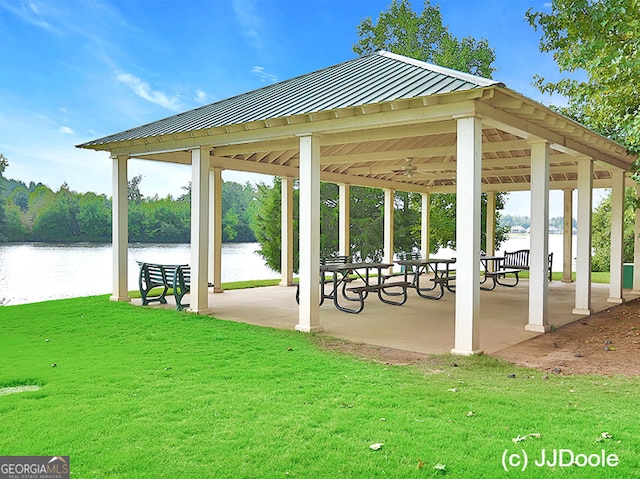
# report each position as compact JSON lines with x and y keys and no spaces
{"x":395,"y":123}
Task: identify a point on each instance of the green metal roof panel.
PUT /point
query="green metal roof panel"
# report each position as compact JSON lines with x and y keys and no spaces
{"x":374,"y":78}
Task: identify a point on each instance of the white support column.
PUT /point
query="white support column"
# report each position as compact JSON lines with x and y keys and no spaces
{"x":491,"y":225}
{"x":567,"y":238}
{"x":215,"y":209}
{"x":583,"y":263}
{"x":636,"y":250}
{"x":309,"y":310}
{"x":538,"y":259}
{"x":286,"y":232}
{"x":617,"y":237}
{"x":199,"y":298}
{"x":120,"y":229}
{"x":425,"y":237}
{"x":389,"y":200}
{"x":344,"y":211}
{"x":468,"y":179}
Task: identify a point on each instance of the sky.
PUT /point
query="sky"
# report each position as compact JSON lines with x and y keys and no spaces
{"x":73,"y":71}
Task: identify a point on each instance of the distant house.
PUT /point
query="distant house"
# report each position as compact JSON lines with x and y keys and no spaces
{"x":554,"y":231}
{"x":517,"y":229}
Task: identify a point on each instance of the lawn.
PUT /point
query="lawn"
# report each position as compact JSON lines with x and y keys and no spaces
{"x":132,"y":392}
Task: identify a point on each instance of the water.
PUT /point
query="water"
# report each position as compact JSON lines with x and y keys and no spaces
{"x":518,"y":242}
{"x":31,"y":272}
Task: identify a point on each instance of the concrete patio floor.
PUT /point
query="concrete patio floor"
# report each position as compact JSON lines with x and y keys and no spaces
{"x":420,"y":325}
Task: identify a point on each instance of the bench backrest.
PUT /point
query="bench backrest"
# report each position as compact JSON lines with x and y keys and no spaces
{"x":520,"y":259}
{"x":517,"y":259}
{"x":159,"y":274}
{"x":182,"y":277}
{"x":408,"y":255}
{"x":340,"y":259}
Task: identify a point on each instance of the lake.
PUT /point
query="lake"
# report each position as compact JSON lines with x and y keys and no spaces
{"x":31,"y":272}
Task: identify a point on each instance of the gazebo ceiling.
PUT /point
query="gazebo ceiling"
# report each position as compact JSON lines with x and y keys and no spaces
{"x":381,"y":131}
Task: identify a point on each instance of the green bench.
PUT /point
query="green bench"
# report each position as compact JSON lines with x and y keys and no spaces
{"x":165,"y":276}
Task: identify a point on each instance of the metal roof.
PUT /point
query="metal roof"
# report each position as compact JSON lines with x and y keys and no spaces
{"x":371,"y":79}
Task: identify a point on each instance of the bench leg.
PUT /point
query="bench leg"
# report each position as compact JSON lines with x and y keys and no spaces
{"x":382,"y":292}
{"x":507,"y":284}
{"x":361,"y":298}
{"x":493,"y":283}
{"x":160,"y":299}
{"x":436,"y":283}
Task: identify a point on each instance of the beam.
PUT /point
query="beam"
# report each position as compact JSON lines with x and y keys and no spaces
{"x":300,"y":125}
{"x":120,"y":229}
{"x":538,"y":260}
{"x":286,"y":223}
{"x":425,"y":225}
{"x":215,"y":210}
{"x":617,"y":238}
{"x":344,"y":212}
{"x":389,"y":200}
{"x":583,"y":264}
{"x":199,"y":230}
{"x":467,"y":298}
{"x":309,"y":233}
{"x":636,"y":246}
{"x":567,"y":237}
{"x":435,"y":151}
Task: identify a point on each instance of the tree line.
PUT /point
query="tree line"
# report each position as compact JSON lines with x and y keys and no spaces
{"x":35,"y":212}
{"x":525,"y":221}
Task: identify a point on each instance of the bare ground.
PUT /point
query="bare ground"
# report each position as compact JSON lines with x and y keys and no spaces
{"x":606,"y":343}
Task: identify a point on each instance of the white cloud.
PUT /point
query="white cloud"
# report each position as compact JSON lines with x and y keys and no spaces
{"x":264,"y":75}
{"x":66,"y":130}
{"x":31,"y":13}
{"x":250,"y":20}
{"x":143,"y":90}
{"x":202,"y":97}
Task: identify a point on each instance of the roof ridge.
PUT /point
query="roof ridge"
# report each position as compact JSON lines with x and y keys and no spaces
{"x":481,"y":81}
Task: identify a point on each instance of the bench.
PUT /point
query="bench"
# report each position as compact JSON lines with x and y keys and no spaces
{"x":165,"y":276}
{"x":380,"y":288}
{"x":405,"y":256}
{"x":334,"y":259}
{"x":520,"y":260}
{"x":513,"y":263}
{"x":501,"y":273}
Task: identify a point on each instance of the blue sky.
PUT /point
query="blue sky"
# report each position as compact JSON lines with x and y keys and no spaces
{"x":73,"y":71}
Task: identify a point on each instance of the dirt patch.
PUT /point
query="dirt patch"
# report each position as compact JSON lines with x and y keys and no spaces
{"x":381,"y":354}
{"x":605,"y":343}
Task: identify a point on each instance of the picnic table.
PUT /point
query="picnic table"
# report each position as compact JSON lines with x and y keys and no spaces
{"x":496,"y":272}
{"x":443,"y":275}
{"x":354,"y":281}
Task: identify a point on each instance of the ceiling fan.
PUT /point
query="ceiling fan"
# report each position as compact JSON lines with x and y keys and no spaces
{"x":407,"y":170}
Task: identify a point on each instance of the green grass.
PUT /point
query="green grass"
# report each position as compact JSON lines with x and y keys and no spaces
{"x":596,"y":277}
{"x":149,"y":393}
{"x":255,"y":283}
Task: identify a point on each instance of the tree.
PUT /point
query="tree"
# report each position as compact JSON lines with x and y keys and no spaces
{"x":601,"y":231}
{"x":602,"y":40}
{"x":266,"y":224}
{"x":94,"y":218}
{"x":423,"y":37}
{"x":133,"y":189}
{"x":56,"y":222}
{"x":236,"y":212}
{"x":443,"y":221}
